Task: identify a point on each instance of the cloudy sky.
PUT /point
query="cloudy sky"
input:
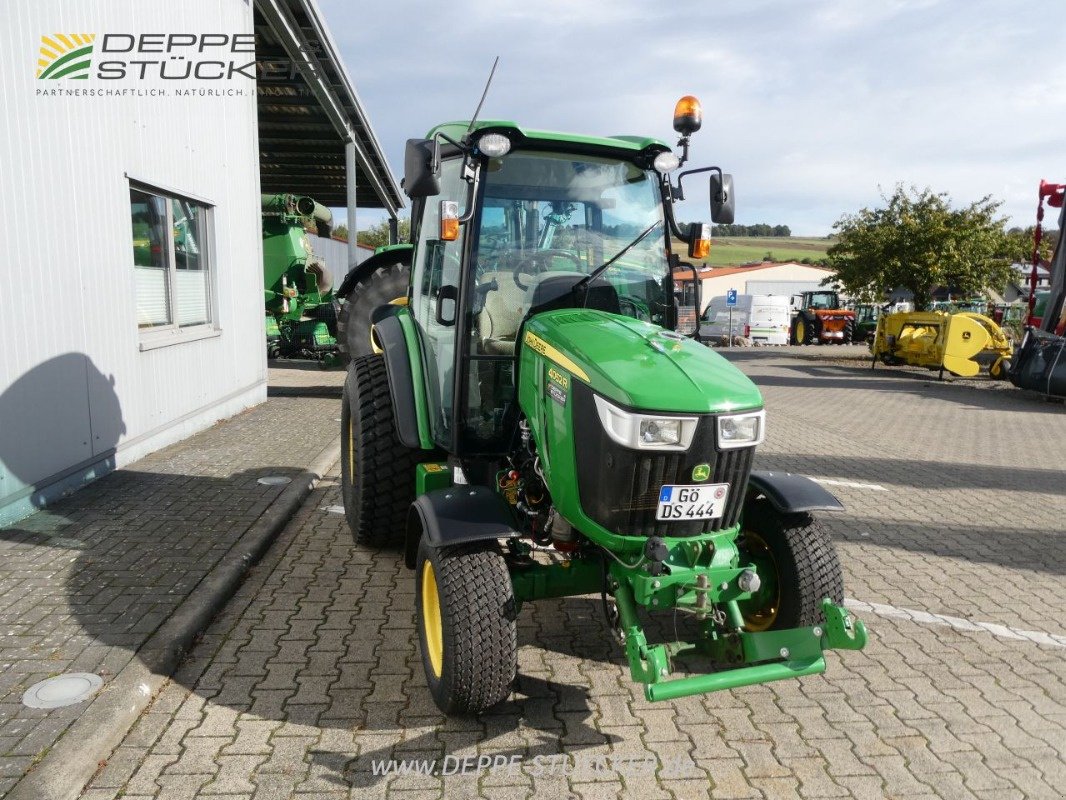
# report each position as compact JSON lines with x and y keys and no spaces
{"x":814,"y":106}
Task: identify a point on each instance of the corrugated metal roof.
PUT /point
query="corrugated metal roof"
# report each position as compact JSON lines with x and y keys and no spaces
{"x":308,"y":108}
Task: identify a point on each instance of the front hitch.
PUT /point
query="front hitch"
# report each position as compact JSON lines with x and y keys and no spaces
{"x":758,"y":657}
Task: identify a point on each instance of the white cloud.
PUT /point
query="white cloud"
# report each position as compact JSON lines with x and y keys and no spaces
{"x":812,"y":106}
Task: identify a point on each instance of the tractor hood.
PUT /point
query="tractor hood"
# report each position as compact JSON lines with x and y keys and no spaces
{"x":640,"y":365}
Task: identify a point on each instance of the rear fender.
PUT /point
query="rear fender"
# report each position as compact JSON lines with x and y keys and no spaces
{"x":457,"y":515}
{"x":791,"y":494}
{"x":393,"y":254}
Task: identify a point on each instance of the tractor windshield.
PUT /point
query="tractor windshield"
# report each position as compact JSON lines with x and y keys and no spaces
{"x":823,"y":300}
{"x":546,"y":217}
{"x":548,"y":220}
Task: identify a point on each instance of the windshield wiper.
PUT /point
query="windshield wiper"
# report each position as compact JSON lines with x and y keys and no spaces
{"x":581,"y":284}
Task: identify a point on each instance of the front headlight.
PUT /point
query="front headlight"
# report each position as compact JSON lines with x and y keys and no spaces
{"x":645,"y":431}
{"x":741,"y":430}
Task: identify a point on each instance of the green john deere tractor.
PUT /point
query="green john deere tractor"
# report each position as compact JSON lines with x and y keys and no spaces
{"x":528,"y":424}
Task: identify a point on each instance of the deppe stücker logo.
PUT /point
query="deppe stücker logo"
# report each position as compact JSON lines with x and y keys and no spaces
{"x":147,"y":56}
{"x":65,"y":55}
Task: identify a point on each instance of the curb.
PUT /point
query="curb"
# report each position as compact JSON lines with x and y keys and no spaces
{"x":73,"y":761}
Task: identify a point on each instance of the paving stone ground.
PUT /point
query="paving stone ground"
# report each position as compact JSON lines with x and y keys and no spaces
{"x":86,"y":582}
{"x":310,"y":682}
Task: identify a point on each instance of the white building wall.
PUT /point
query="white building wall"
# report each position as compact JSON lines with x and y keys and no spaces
{"x":78,"y":395}
{"x":763,"y":280}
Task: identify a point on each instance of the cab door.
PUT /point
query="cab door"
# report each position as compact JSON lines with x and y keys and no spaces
{"x":435,"y":292}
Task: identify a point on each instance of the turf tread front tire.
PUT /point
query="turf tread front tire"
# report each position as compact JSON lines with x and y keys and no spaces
{"x":377,"y":471}
{"x":808,"y":568}
{"x":480,"y":636}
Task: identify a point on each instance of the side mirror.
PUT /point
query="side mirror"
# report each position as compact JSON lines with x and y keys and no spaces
{"x":421,"y":168}
{"x":722,"y":206}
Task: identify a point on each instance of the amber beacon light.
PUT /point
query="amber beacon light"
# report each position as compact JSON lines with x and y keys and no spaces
{"x":688,"y":115}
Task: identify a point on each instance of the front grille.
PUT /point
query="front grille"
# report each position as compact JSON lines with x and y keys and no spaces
{"x":619,"y":487}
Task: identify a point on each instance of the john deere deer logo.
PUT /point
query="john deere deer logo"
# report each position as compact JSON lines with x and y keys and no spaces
{"x":65,"y":55}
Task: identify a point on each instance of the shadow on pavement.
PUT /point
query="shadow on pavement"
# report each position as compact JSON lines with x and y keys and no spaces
{"x":531,"y":707}
{"x":298,"y":378}
{"x":140,"y":542}
{"x":1008,"y":547}
{"x":859,"y":377}
{"x":325,"y":392}
{"x":917,"y":474}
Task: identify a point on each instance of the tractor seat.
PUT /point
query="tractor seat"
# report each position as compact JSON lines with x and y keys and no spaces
{"x":501,"y":316}
{"x":506,"y":307}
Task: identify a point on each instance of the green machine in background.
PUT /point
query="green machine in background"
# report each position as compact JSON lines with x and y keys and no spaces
{"x":301,"y":321}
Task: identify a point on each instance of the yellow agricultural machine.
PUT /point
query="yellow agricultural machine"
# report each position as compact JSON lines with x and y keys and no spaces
{"x":959,"y":343}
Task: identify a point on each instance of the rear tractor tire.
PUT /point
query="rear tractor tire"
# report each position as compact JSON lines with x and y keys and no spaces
{"x":464,"y":602}
{"x":798,"y":564}
{"x":804,"y":331}
{"x":377,"y":471}
{"x":385,"y":284}
{"x":849,"y":331}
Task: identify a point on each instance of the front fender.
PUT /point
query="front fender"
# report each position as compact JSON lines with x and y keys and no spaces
{"x":457,"y":515}
{"x":389,"y":333}
{"x":792,"y":494}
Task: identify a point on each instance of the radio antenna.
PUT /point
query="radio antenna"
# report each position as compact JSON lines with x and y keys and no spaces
{"x":484,"y":94}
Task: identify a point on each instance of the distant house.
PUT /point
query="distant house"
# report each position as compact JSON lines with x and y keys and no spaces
{"x":1018,"y":289}
{"x":785,"y":278}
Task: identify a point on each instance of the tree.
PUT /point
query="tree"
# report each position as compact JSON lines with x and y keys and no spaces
{"x":341,"y":232}
{"x":378,"y":235}
{"x":1020,"y":244}
{"x":919,"y":242}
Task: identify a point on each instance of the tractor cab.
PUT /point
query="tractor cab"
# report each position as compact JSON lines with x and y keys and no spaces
{"x":537,"y":223}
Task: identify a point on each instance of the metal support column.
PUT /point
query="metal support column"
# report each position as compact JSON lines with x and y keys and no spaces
{"x":350,"y":179}
{"x":394,"y":230}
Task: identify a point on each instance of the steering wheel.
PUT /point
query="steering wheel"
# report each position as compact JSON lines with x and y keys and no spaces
{"x":537,"y":261}
{"x":630,"y":308}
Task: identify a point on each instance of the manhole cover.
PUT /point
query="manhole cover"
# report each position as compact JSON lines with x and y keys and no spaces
{"x":62,"y":690}
{"x":275,"y":480}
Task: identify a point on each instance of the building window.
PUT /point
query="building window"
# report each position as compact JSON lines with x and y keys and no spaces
{"x":171,"y":261}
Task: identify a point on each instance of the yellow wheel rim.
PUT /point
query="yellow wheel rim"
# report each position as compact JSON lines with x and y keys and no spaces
{"x":800,"y":332}
{"x":761,"y":617}
{"x":431,"y":623}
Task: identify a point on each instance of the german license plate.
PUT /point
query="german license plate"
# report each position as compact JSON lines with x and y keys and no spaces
{"x":682,"y":503}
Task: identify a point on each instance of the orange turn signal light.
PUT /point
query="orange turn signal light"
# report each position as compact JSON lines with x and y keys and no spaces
{"x":449,"y":220}
{"x":699,"y":243}
{"x":688,"y":115}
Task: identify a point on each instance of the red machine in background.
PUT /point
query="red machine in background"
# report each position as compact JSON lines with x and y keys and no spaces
{"x":1054,"y":194}
{"x":1040,"y":360}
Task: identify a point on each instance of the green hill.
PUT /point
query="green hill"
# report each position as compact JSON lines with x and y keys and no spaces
{"x":736,"y":250}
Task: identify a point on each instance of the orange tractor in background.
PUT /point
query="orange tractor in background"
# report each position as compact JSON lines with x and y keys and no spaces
{"x":818,"y":318}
